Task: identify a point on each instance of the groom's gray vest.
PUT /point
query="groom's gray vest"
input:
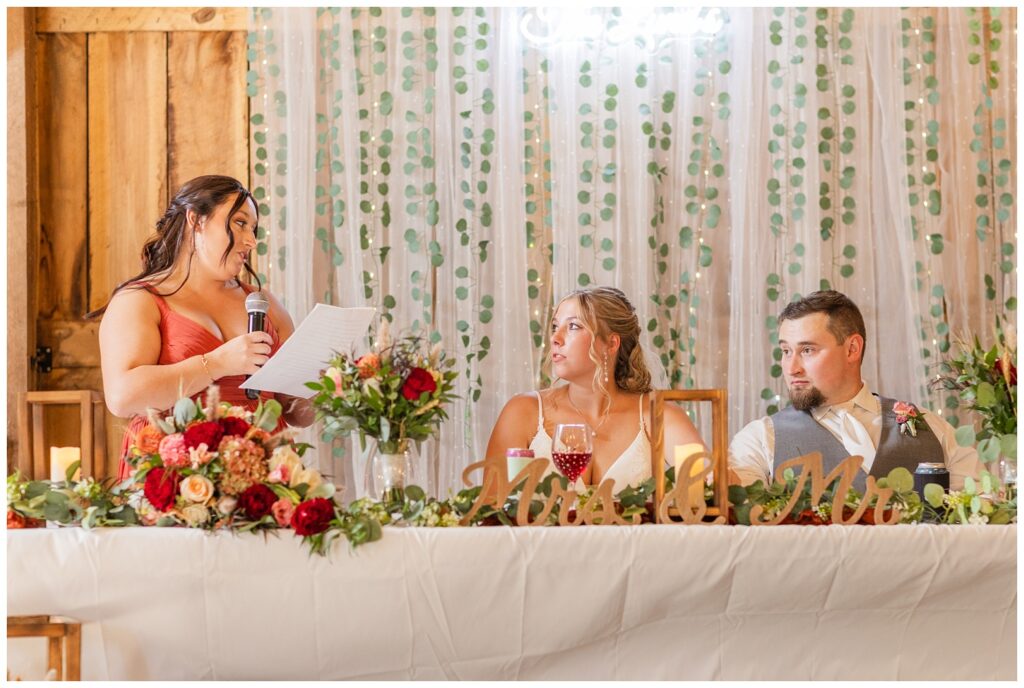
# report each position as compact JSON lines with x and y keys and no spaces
{"x":797,"y":434}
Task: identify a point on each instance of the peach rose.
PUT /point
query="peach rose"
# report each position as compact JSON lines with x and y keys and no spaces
{"x":368,"y":365}
{"x":283,"y":510}
{"x":196,"y":488}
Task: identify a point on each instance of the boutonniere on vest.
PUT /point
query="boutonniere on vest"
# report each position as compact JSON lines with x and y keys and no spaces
{"x":907,"y":416}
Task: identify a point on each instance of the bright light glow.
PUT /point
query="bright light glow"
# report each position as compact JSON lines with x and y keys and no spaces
{"x":549,"y":25}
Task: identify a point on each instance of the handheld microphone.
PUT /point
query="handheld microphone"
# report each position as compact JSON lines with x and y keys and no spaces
{"x":256,"y":305}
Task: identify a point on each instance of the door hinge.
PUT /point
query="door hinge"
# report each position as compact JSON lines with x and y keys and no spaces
{"x":43,"y":360}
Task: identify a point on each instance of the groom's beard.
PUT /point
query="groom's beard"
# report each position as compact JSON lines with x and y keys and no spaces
{"x":806,"y":398}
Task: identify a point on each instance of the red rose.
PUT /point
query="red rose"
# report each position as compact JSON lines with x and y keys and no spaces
{"x":313,"y":516}
{"x":233,"y":426}
{"x":209,"y":432}
{"x":161,"y":488}
{"x":15,"y":520}
{"x":418,"y":382}
{"x":256,"y":500}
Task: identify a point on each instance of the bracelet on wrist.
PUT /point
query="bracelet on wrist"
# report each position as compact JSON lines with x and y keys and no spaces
{"x":206,"y":367}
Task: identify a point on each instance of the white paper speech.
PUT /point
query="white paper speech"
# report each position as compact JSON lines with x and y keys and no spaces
{"x":326,"y":330}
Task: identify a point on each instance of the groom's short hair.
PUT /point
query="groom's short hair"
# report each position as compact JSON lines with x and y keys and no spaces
{"x":844,"y":317}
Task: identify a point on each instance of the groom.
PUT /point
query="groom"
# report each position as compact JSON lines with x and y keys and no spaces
{"x":833,"y":412}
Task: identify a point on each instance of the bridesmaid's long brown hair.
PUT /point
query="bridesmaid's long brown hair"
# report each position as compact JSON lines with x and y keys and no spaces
{"x":201,"y":195}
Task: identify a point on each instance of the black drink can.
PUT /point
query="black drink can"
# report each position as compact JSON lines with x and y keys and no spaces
{"x":930,"y":473}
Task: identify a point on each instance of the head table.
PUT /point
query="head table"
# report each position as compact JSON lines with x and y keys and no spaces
{"x":638,"y":602}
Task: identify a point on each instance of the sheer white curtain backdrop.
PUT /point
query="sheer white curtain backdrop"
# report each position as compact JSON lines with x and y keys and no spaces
{"x":462,"y":169}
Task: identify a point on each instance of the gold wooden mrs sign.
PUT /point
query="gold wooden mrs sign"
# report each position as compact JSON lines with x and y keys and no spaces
{"x":677,"y":502}
{"x":599,"y":509}
{"x":496,"y":488}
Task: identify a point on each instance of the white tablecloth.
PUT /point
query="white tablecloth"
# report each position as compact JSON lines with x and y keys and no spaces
{"x":646,"y":602}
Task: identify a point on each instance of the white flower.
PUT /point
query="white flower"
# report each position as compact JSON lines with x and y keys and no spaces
{"x":977,"y":519}
{"x":226,"y":505}
{"x":285,"y":456}
{"x":371,"y":383}
{"x":305,"y":475}
{"x":449,"y":520}
{"x":196,"y":488}
{"x":195,"y":514}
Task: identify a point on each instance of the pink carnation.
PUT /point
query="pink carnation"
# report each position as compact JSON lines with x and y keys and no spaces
{"x":903,"y":410}
{"x":173,"y":451}
{"x":283,"y":510}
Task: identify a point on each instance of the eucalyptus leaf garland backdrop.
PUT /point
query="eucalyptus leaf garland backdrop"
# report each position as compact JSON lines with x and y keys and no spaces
{"x":460,"y":169}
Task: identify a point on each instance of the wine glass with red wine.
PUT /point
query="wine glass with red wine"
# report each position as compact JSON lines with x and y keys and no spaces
{"x":572,"y":449}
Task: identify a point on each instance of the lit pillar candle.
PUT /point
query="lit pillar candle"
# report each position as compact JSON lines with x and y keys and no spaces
{"x":60,"y":459}
{"x":683,"y":452}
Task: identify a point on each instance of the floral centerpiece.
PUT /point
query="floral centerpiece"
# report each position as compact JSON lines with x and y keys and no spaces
{"x":217,"y":465}
{"x":394,"y":394}
{"x":986,"y":380}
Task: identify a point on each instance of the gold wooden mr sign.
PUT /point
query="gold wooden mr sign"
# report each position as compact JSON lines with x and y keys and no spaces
{"x":810,"y":468}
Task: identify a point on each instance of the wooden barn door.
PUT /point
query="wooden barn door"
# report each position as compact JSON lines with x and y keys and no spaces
{"x":130,"y":103}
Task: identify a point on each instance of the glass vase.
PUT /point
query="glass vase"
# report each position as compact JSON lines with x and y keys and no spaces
{"x":388,"y":472}
{"x":1008,"y":476}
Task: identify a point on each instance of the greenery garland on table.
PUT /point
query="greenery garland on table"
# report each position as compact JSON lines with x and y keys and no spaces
{"x":220,"y":467}
{"x":89,"y":503}
{"x":979,"y":502}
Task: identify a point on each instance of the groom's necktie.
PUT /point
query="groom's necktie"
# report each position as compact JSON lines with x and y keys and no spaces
{"x":855,"y":437}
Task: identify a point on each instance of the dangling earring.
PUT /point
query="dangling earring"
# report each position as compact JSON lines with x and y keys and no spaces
{"x":604,"y":368}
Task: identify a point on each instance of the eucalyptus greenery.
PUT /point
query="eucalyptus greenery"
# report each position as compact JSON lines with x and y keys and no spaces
{"x":87,"y":503}
{"x":985,"y":380}
{"x":977,"y":504}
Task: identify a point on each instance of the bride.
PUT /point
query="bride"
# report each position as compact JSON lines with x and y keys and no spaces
{"x":595,"y":349}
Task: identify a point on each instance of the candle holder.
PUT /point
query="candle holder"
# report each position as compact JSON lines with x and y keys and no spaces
{"x":32,"y":460}
{"x":719,"y":445}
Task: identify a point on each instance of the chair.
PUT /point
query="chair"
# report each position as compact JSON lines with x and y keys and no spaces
{"x":65,"y":642}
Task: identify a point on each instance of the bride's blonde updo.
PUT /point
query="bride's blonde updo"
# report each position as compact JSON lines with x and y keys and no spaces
{"x":605,"y":311}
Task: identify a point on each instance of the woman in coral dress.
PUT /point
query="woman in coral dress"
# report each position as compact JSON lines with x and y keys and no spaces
{"x":180,"y":325}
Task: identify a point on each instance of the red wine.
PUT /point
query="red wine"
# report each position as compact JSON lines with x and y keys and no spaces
{"x":571,"y":465}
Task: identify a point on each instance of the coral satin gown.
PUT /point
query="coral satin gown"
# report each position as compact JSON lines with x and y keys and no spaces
{"x":181,"y":338}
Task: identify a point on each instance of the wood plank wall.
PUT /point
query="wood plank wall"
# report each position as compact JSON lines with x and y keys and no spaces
{"x":129,"y":103}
